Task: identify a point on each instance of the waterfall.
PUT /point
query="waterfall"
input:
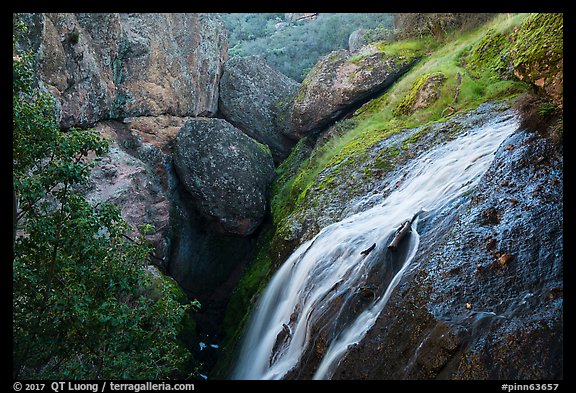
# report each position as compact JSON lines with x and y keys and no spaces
{"x":328,"y":293}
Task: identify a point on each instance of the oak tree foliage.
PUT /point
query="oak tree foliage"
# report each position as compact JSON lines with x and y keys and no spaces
{"x":82,"y":307}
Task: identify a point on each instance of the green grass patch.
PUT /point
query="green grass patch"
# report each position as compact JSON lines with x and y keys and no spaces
{"x":407,"y":48}
{"x":306,"y":176}
{"x":377,"y":120}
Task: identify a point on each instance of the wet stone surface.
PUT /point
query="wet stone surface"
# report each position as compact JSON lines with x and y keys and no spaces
{"x":485,"y":298}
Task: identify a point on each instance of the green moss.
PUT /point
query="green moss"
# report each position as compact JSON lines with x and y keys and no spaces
{"x":490,"y":55}
{"x":403,"y":48}
{"x":406,"y":104}
{"x":539,"y":44}
{"x":399,"y":49}
{"x":414,"y":138}
{"x":332,"y":58}
{"x":263,"y":148}
{"x":303,"y":89}
{"x":540,"y":38}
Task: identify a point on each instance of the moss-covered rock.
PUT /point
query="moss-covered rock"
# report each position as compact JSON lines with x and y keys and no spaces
{"x":538,"y":54}
{"x":339,"y":80}
{"x":532,"y":52}
{"x":425,"y":90}
{"x":491,"y":54}
{"x":227,"y":173}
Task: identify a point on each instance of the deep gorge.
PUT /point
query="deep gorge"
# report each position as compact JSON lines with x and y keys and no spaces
{"x":240,"y":169}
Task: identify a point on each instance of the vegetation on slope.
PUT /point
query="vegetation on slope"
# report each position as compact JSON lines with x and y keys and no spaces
{"x":471,"y":68}
{"x":293,"y":47}
{"x":85,"y":303}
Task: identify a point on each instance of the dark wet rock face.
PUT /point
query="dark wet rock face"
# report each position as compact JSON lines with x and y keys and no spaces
{"x":486,"y":298}
{"x":204,"y":261}
{"x":256,"y":98}
{"x":227,"y":173}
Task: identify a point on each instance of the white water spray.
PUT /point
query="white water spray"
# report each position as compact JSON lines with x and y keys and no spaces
{"x":317,"y":288}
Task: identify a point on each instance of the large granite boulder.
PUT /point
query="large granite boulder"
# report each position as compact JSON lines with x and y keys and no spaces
{"x":107,"y":65}
{"x":342,"y":80}
{"x":227,"y":173}
{"x":255,"y":97}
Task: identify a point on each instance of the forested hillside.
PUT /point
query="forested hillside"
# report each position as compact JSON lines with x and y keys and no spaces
{"x":294,"y":42}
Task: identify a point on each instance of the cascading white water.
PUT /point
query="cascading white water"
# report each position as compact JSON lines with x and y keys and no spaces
{"x":317,"y":287}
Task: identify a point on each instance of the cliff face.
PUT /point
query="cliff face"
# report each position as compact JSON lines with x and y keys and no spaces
{"x":136,"y":79}
{"x":111,"y":66}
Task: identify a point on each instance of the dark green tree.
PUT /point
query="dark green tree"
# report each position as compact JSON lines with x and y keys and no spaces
{"x":293,"y":47}
{"x":84,"y":305}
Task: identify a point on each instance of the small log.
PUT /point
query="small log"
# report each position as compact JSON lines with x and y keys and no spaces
{"x":401,"y":232}
{"x":458,"y":83}
{"x":451,"y":107}
{"x":368,"y":250}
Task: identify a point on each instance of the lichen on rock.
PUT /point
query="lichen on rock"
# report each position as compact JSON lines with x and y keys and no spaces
{"x":227,"y":173}
{"x":341,"y":80}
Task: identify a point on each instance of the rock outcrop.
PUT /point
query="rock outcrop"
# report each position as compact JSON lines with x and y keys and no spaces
{"x":158,"y":131}
{"x":486,"y":301}
{"x":125,"y":180}
{"x":356,"y":40}
{"x":170,"y":64}
{"x":255,"y":97}
{"x":341,"y":80}
{"x":227,"y":173}
{"x":423,"y":93}
{"x":538,"y":53}
{"x":109,"y":66}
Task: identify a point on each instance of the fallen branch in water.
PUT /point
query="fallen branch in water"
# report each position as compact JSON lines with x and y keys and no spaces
{"x":368,"y":250}
{"x":401,"y":232}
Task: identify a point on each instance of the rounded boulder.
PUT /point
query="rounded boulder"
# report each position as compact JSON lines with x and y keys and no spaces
{"x":227,"y":173}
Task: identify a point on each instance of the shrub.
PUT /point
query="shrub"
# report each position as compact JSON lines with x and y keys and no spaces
{"x":79,"y":281}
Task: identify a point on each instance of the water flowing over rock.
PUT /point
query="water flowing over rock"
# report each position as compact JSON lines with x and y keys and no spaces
{"x":330,"y":291}
{"x":227,"y":173}
{"x":485,"y":299}
{"x":102,"y":66}
{"x":341,"y":80}
{"x":256,"y":98}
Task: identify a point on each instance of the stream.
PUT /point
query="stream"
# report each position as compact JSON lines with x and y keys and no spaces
{"x":330,"y":291}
